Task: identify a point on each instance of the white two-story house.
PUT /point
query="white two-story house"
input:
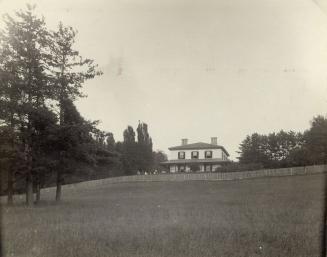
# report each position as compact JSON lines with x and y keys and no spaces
{"x":203,"y":157}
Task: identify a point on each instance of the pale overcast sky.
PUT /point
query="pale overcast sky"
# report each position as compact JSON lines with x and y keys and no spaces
{"x":197,"y":69}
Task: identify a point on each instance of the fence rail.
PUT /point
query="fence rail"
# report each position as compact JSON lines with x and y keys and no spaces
{"x":316,"y":169}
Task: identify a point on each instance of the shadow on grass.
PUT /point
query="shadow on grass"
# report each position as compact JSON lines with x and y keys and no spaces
{"x":1,"y":242}
{"x":324,"y":217}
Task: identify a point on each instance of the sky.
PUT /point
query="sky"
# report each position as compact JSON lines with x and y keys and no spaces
{"x":198,"y":69}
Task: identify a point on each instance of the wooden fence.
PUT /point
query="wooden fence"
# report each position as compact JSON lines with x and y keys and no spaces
{"x":317,"y":169}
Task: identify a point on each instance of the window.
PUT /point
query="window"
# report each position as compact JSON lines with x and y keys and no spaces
{"x":208,"y":154}
{"x":181,"y":155}
{"x":195,"y":155}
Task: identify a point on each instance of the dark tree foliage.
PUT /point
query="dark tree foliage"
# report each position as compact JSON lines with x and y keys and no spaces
{"x":44,"y":127}
{"x":77,"y":141}
{"x":136,"y":156}
{"x":69,"y":71}
{"x":316,"y":141}
{"x":144,"y":148}
{"x":253,"y":149}
{"x":7,"y":161}
{"x":285,"y":149}
{"x":129,"y":152}
{"x":129,"y":135}
{"x":158,"y":158}
{"x":272,"y":151}
{"x":25,"y":82}
{"x":110,"y":141}
{"x":41,"y":131}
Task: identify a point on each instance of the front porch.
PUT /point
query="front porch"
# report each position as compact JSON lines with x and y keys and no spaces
{"x":174,"y":168}
{"x":193,"y":165}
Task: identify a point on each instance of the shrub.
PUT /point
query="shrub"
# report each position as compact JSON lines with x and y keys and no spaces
{"x":234,"y":167}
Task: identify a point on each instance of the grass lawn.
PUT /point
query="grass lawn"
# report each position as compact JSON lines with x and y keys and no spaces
{"x":259,"y":217}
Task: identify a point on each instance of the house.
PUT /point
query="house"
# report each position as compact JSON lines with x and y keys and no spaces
{"x":203,"y":157}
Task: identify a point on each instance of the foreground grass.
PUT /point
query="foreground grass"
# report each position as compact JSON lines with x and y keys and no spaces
{"x":259,"y":217}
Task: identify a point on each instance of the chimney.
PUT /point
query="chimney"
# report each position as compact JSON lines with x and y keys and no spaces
{"x":184,"y":141}
{"x":214,"y":141}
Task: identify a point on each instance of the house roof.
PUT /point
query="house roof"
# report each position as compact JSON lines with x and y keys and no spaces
{"x":184,"y":161}
{"x":197,"y":146}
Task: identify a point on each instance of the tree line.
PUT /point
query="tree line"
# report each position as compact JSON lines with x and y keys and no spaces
{"x":135,"y":153}
{"x":286,"y":149}
{"x":44,"y":140}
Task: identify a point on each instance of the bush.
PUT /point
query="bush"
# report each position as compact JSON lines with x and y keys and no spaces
{"x":234,"y":167}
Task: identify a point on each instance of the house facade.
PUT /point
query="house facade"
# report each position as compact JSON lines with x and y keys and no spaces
{"x":202,"y":157}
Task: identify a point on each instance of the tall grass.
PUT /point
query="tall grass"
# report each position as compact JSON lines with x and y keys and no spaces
{"x":259,"y":217}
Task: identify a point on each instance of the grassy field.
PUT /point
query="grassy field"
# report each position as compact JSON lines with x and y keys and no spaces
{"x":258,"y":217}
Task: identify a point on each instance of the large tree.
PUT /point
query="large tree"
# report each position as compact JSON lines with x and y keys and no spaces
{"x":272,"y":150}
{"x":110,"y":141}
{"x":144,"y":145}
{"x":73,"y":143}
{"x":70,"y":70}
{"x":45,"y":127}
{"x":129,"y":152}
{"x":281,"y":146}
{"x":41,"y":74}
{"x":25,"y":83}
{"x":316,"y":140}
{"x":253,"y":149}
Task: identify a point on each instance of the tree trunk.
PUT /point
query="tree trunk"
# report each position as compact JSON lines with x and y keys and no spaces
{"x":38,"y":192}
{"x":59,"y":182}
{"x":29,"y":189}
{"x":29,"y":176}
{"x":10,"y":188}
{"x":61,"y":123}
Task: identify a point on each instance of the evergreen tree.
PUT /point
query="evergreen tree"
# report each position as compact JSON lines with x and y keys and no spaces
{"x":253,"y":149}
{"x":7,"y":161}
{"x":144,"y":145}
{"x":25,"y":81}
{"x":69,"y":72}
{"x":38,"y":68}
{"x":129,"y":152}
{"x":72,"y":143}
{"x":110,"y":141}
{"x":316,"y":141}
{"x":44,"y":124}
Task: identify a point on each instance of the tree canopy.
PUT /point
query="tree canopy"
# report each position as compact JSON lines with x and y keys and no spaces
{"x":285,"y":149}
{"x":42,"y":74}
